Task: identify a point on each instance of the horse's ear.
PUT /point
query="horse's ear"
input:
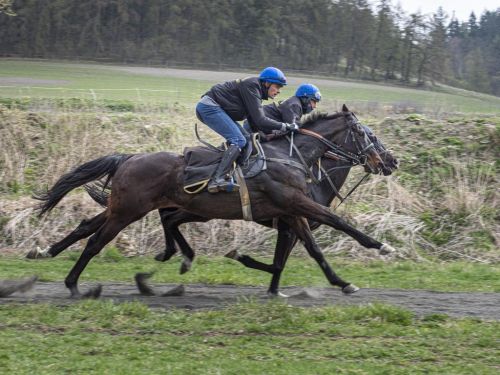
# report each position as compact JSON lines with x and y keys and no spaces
{"x":344,"y":108}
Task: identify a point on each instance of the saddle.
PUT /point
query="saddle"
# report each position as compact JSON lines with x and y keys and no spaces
{"x":201,"y":163}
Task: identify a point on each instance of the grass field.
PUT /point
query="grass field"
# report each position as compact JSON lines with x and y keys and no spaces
{"x":440,"y":211}
{"x":45,"y":79}
{"x":105,"y":338}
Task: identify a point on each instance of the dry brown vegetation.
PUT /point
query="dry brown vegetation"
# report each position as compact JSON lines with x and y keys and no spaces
{"x":443,"y":202}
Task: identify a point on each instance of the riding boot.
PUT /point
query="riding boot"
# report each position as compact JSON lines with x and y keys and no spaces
{"x":218,"y":181}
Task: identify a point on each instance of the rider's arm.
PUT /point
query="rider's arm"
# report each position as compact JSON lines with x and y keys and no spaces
{"x":252,"y":99}
{"x":291,"y":112}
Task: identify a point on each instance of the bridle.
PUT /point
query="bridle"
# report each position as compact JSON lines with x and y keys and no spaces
{"x":358,"y":158}
{"x":380,"y":148}
{"x":334,"y":150}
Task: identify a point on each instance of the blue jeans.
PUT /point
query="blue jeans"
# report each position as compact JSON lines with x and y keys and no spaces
{"x":216,"y":119}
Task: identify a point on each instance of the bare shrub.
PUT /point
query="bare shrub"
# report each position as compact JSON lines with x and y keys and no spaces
{"x":423,"y":210}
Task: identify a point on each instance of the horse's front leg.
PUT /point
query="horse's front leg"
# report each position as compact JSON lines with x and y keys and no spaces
{"x":301,"y":228}
{"x":314,"y":211}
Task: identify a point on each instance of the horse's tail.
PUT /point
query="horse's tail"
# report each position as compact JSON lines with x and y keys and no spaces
{"x":83,"y":174}
{"x":98,"y":193}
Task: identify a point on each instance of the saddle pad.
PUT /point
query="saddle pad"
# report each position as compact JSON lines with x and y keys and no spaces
{"x":201,"y":163}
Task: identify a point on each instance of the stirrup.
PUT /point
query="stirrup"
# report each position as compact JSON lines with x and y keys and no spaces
{"x":224,"y":185}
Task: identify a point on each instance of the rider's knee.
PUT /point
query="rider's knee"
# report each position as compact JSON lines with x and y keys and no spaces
{"x":240,"y":142}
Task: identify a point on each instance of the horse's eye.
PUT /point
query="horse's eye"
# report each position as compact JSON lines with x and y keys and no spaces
{"x":360,"y":130}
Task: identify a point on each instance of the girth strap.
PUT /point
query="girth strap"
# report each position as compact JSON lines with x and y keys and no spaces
{"x":246,"y":207}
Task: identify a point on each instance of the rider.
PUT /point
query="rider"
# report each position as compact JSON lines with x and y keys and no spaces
{"x":292,"y":109}
{"x":232,"y":101}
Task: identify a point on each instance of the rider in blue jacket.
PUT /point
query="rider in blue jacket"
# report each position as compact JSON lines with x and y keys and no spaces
{"x":237,"y":100}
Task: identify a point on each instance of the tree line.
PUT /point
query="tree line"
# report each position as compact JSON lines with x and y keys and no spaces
{"x":349,"y":38}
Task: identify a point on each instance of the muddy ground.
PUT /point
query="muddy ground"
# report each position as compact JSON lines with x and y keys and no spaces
{"x":198,"y":296}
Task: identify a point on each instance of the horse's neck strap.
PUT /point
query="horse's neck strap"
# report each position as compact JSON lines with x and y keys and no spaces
{"x":352,"y":190}
{"x":332,"y":185}
{"x":309,"y":172}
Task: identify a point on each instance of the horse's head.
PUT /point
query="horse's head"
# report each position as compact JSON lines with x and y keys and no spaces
{"x":342,"y":134}
{"x":390,"y":163}
{"x":357,"y":142}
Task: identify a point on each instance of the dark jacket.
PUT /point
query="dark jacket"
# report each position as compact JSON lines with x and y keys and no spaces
{"x":242,"y":99}
{"x":289,"y":111}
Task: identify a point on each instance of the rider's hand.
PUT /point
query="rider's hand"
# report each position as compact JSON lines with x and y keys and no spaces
{"x":290,"y":127}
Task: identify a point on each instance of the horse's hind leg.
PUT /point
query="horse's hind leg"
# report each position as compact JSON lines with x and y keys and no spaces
{"x":250,"y":262}
{"x":186,"y":250}
{"x":171,"y":219}
{"x":301,"y":228}
{"x":284,"y":245}
{"x":166,"y":214}
{"x":285,"y":242}
{"x":84,"y":229}
{"x":103,"y":236}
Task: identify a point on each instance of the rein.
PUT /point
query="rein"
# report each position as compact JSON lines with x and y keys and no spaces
{"x":337,"y":150}
{"x":332,"y":185}
{"x":337,"y":153}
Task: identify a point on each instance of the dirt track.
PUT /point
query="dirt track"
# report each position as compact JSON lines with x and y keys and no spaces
{"x":198,"y":296}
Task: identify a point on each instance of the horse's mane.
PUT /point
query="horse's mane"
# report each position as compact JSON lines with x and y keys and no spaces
{"x":329,"y":116}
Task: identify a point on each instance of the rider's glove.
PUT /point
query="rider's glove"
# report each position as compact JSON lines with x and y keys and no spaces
{"x":289,"y":127}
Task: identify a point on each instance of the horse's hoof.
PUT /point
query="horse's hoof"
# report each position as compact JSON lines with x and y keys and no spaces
{"x":386,"y":249}
{"x":350,"y":289}
{"x":160,"y":257}
{"x":37,"y":254}
{"x":277,"y":294}
{"x":233,"y":254}
{"x":175,"y":292}
{"x":141,"y":279}
{"x":93,"y":293}
{"x":27,"y":284}
{"x":185,"y":266}
{"x":9,"y":287}
{"x":164,"y":256}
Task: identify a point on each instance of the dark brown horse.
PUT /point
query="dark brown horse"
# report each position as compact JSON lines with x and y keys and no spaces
{"x":145,"y":182}
{"x":332,"y":175}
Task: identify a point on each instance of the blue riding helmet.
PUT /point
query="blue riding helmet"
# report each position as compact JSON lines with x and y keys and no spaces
{"x":309,"y":91}
{"x":273,"y":75}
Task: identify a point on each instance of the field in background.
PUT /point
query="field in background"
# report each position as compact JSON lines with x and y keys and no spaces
{"x":442,"y":203}
{"x":153,"y":86}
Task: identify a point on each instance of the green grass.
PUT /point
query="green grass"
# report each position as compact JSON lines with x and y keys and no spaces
{"x":452,"y":276}
{"x":95,"y":81}
{"x":104,"y":82}
{"x":95,"y":337}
